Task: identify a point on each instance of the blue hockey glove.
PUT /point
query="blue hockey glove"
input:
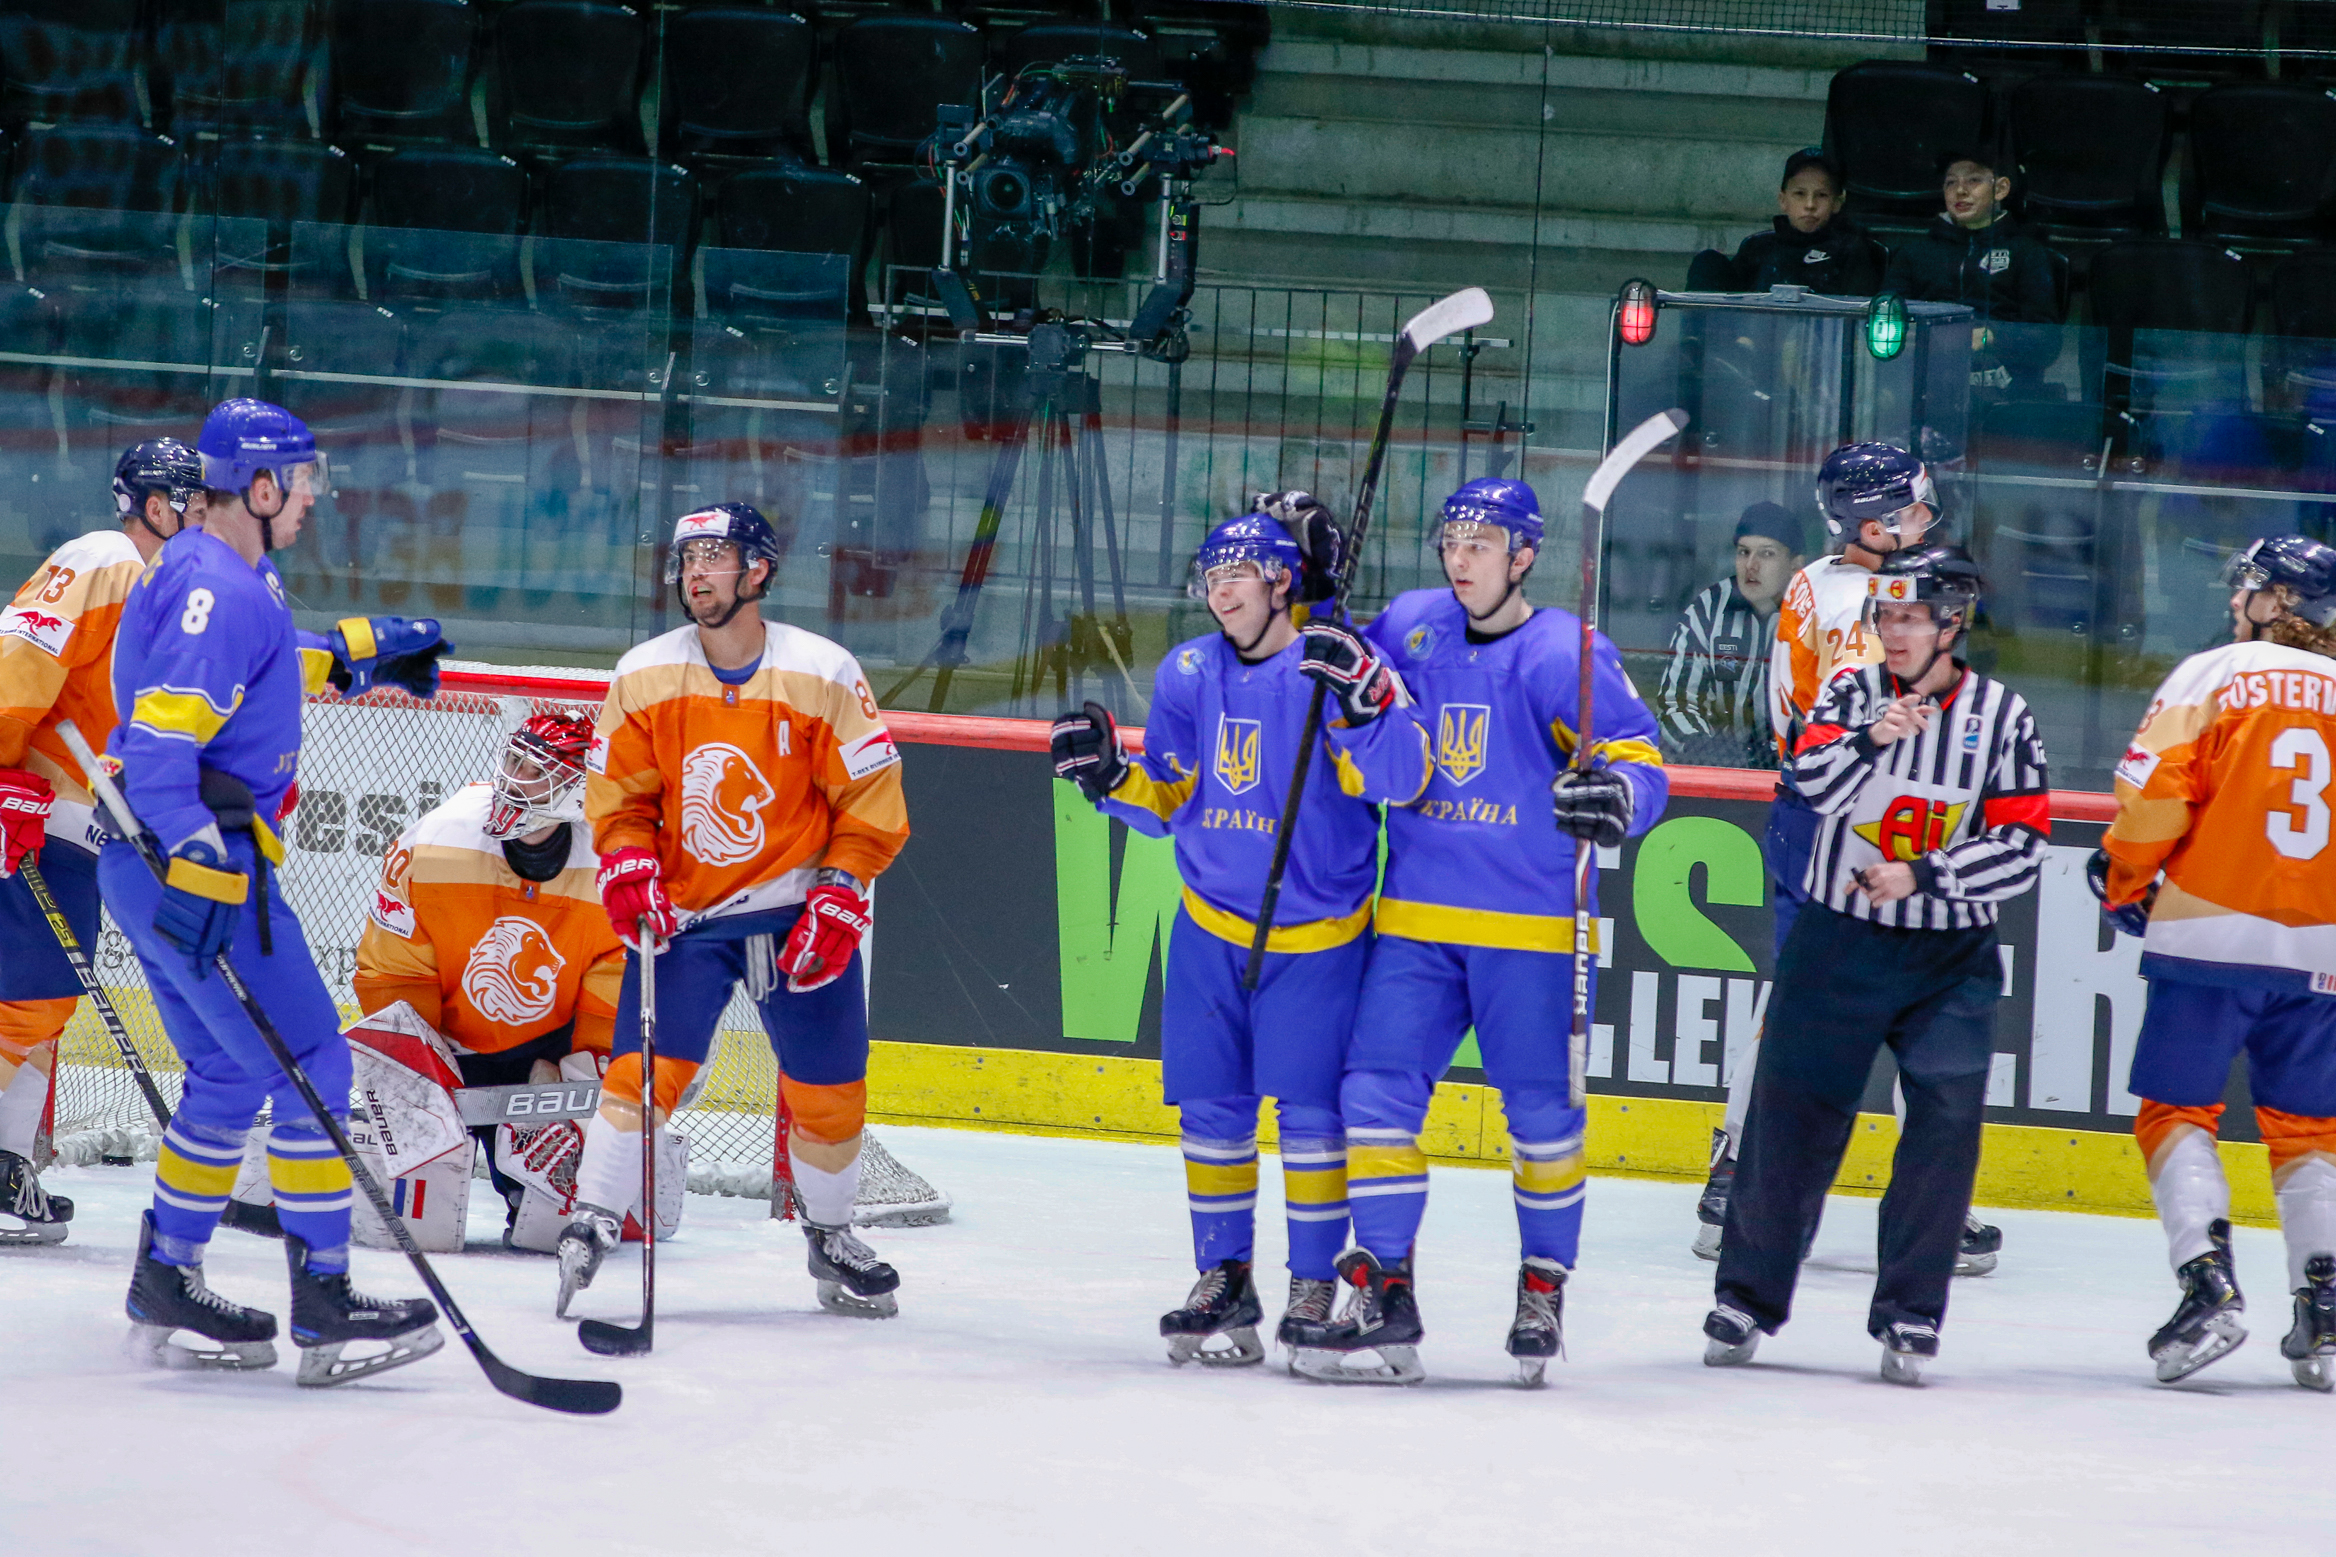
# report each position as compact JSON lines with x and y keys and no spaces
{"x":1595,"y":806}
{"x":201,"y":895}
{"x":1364,"y":684}
{"x":393,"y":649}
{"x":1087,"y":751}
{"x":2131,"y":918}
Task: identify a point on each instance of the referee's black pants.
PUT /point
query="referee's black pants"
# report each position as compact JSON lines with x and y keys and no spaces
{"x":1844,"y":987}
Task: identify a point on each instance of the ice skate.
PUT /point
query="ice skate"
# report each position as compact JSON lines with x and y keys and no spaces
{"x":329,"y":1313}
{"x":1712,"y":1210}
{"x":165,"y":1299}
{"x":1905,"y":1349}
{"x":583,"y":1243}
{"x":1222,"y":1303}
{"x":1381,"y":1316}
{"x":1981,"y":1244}
{"x":851,"y":1279}
{"x":1538,"y":1332}
{"x":2206,"y":1323}
{"x":1309,"y":1304}
{"x":2311,"y":1345}
{"x":1731,"y":1337}
{"x":43,"y":1216}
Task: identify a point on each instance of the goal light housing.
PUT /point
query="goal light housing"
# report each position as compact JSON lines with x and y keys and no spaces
{"x":1635,"y":312}
{"x":1886,"y":325}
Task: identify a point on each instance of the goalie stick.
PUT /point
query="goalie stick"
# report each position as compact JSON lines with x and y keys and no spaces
{"x":1463,"y":310}
{"x":598,"y":1335}
{"x":583,"y":1397}
{"x":1641,"y":441}
{"x":240,"y":1215}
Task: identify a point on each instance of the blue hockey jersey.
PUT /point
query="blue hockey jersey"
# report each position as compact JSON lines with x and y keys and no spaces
{"x":1219,"y":749}
{"x":1477,"y":860}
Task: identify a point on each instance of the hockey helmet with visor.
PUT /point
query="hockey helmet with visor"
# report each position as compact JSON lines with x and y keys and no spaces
{"x":1876,"y":481}
{"x":242,"y":439}
{"x":161,"y":467}
{"x":1251,"y":546}
{"x":2302,"y":568}
{"x":1509,"y":506}
{"x":1939,"y":576}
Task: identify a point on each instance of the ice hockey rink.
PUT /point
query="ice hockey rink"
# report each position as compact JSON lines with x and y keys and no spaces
{"x":1021,"y":1401}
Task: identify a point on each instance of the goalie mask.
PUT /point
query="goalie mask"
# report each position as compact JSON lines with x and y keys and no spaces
{"x":540,"y":782}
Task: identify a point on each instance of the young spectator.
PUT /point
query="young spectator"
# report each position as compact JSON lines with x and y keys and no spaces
{"x":1714,"y":701}
{"x":1813,"y":244}
{"x":1976,"y":254}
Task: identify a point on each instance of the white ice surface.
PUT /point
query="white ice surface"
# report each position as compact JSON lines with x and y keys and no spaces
{"x":1021,"y":1402}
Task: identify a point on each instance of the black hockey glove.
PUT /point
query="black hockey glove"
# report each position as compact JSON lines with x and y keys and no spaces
{"x":1318,"y":535}
{"x":1364,"y":684}
{"x":1595,"y":806}
{"x":2133,"y":918}
{"x":1087,"y":751}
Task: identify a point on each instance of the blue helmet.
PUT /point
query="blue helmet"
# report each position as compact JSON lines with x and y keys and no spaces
{"x":2303,"y":566}
{"x":1257,"y":538}
{"x":738,"y":523}
{"x":1861,"y":481}
{"x":241,"y":438}
{"x":162,"y":465}
{"x":1495,"y":500}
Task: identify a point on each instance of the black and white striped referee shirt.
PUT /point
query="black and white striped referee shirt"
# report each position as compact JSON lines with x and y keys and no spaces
{"x":1964,"y":802}
{"x":1714,"y":698}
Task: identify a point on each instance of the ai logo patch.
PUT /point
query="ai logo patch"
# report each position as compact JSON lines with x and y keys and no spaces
{"x":1238,"y":742}
{"x":1910,"y":827}
{"x":1463,"y":732}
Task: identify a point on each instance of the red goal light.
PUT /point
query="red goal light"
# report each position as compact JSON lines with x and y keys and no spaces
{"x":1635,"y":314}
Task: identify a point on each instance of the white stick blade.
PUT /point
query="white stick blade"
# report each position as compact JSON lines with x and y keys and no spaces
{"x":1636,"y":445}
{"x":1463,"y":310}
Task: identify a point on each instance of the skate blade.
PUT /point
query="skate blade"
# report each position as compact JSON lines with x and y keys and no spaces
{"x":836,"y":1298}
{"x":904,"y":1216}
{"x":1725,"y":1354}
{"x":572,"y":1281}
{"x":1902,"y":1368}
{"x":1974,"y":1264}
{"x":151,"y":1345}
{"x":324,"y":1367}
{"x":1242,"y":1349}
{"x":1530,"y":1370}
{"x":1707,"y":1242}
{"x":1396,"y":1365}
{"x":2314,"y":1373}
{"x":2177,"y":1362}
{"x":35,"y":1232}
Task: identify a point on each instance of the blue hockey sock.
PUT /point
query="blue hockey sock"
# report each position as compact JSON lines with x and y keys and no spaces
{"x":1220,"y":1177}
{"x":1547,"y":1170}
{"x":1314,"y":1189}
{"x":1386,"y":1172}
{"x":192,"y":1178}
{"x":311,"y":1184}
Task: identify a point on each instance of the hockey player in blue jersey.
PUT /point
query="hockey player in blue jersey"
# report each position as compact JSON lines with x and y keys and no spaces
{"x":208,"y":672}
{"x":1475,"y":924}
{"x":1227,"y":712}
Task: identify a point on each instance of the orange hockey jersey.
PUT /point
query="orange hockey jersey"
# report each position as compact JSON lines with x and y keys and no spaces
{"x":742,"y":792}
{"x":56,"y":662}
{"x":489,"y":958}
{"x":2226,"y":788}
{"x":1820,"y":630}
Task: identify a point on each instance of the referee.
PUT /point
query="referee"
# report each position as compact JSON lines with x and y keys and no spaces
{"x":1930,"y":786}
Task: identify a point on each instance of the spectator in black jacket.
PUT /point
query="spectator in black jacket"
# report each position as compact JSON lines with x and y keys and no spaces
{"x":1976,"y":254}
{"x":1812,"y":245}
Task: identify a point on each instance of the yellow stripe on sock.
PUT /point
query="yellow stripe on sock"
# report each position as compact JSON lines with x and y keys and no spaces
{"x":306,"y":1175}
{"x":1385,"y":1161}
{"x":1220,"y":1178}
{"x":1314,"y":1186}
{"x":202,"y":1180}
{"x":1548,"y":1178}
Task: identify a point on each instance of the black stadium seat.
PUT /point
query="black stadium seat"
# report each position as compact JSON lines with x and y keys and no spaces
{"x":590,"y":205}
{"x":445,"y":224}
{"x":70,"y":59}
{"x":402,"y":69}
{"x":251,"y":77}
{"x":738,"y":82}
{"x":2168,"y":285}
{"x":96,"y":200}
{"x":893,"y":73}
{"x":2092,"y":154}
{"x":268,"y":186}
{"x":2262,"y":163}
{"x":793,"y":212}
{"x":1889,"y":121}
{"x":2303,"y":295}
{"x":570,"y":73}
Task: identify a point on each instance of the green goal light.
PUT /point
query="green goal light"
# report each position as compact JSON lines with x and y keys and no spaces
{"x":1886,"y":325}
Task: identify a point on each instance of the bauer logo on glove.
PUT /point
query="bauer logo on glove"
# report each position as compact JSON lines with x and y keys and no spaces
{"x":820,"y":947}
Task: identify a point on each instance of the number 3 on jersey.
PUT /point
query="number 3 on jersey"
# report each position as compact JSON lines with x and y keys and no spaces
{"x":2306,"y":749}
{"x":197,"y":616}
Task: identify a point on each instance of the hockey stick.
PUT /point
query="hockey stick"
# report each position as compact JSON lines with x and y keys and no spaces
{"x":240,"y":1215}
{"x":1637,"y":445}
{"x":598,"y":1335}
{"x":1463,"y":310}
{"x":583,"y":1397}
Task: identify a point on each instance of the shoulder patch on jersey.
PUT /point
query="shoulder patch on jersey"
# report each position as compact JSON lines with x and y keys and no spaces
{"x":1420,"y":641}
{"x":870,"y":752}
{"x":1188,"y":660}
{"x":392,"y":915}
{"x":2135,"y":767}
{"x":596,"y":756}
{"x":44,"y":630}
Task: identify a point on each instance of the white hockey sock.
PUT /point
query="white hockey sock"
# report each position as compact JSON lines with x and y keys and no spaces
{"x":608,"y":1173}
{"x":827,"y":1197}
{"x":1740,"y":1092}
{"x":20,"y":1109}
{"x":2187,"y":1185}
{"x":2307,"y":1212}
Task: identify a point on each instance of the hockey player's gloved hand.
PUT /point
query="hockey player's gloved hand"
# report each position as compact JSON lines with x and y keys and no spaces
{"x":2132,"y":918}
{"x":1595,"y":806}
{"x":25,"y":801}
{"x":632,"y":888}
{"x":403,"y":653}
{"x":820,"y":947}
{"x":1087,"y":751}
{"x":1316,"y":530}
{"x":201,"y":894}
{"x":1364,"y":684}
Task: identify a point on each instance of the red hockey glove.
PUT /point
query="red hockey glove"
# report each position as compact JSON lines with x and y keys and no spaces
{"x":25,"y":799}
{"x":820,"y":947}
{"x":632,"y":888}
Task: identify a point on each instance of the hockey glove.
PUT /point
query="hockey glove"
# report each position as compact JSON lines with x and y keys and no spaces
{"x":25,"y":801}
{"x":202,"y":892}
{"x":1312,"y":526}
{"x":2131,"y":918}
{"x":1364,"y":684}
{"x":820,"y":947}
{"x":1088,"y":751}
{"x":1594,"y":806}
{"x":632,"y":888}
{"x":389,"y":649}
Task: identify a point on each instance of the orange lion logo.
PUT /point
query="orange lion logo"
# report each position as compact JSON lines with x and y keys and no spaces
{"x":513,"y":976}
{"x":723,"y":796}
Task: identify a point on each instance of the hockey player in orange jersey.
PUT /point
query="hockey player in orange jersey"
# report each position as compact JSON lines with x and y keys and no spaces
{"x":2219,"y":859}
{"x":56,"y":646}
{"x":487,"y":922}
{"x":743,"y":794}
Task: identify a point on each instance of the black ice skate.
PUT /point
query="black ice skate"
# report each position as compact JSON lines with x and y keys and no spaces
{"x":2311,"y":1345}
{"x":1310,"y":1303}
{"x":329,"y":1313}
{"x":1381,"y":1316}
{"x":1538,"y":1332}
{"x":22,"y":1200}
{"x":1905,"y":1348}
{"x":1981,"y":1245}
{"x":851,"y":1279}
{"x":1731,"y":1336}
{"x":168,"y":1298}
{"x":1712,"y":1210}
{"x":2206,"y":1323}
{"x":1222,"y":1303}
{"x":583,"y":1242}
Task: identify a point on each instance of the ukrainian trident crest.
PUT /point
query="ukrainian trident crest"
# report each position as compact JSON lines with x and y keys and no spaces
{"x":1462,"y":732}
{"x":1238,"y":743}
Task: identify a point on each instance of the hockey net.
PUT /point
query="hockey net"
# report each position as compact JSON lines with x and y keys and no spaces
{"x":368,"y":768}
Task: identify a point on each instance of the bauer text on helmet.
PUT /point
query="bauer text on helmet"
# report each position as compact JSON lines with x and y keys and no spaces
{"x":1511,"y":506}
{"x":242,"y":440}
{"x":1878,"y":483}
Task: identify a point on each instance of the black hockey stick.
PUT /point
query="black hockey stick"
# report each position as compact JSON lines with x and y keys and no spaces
{"x":583,"y":1397}
{"x":1463,"y":310}
{"x":598,"y":1335}
{"x":1635,"y":446}
{"x":240,"y":1215}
